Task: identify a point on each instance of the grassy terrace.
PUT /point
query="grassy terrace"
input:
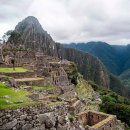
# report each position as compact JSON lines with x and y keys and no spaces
{"x":44,"y":87}
{"x":12,"y":98}
{"x":83,"y":89}
{"x":10,"y":70}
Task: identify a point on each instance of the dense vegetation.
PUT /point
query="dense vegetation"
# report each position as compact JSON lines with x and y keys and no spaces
{"x":117,"y":86}
{"x":72,"y":73}
{"x":114,"y":104}
{"x":125,"y":77}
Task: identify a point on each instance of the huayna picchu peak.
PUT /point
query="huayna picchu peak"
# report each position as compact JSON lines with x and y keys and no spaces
{"x":33,"y":36}
{"x":46,"y":86}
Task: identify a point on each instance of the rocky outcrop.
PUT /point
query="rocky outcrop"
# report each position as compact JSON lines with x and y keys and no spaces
{"x":88,"y":65}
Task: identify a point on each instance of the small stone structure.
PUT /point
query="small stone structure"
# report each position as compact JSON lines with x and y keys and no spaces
{"x":97,"y":120}
{"x":59,"y":77}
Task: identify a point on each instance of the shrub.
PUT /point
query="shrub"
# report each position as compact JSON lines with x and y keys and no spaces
{"x":71,"y":118}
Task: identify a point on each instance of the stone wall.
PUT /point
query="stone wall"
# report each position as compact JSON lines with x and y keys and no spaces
{"x":37,"y":117}
{"x":94,"y":118}
{"x":43,"y":117}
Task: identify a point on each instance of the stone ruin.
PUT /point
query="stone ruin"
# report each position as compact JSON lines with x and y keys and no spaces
{"x":51,"y":68}
{"x":42,"y":117}
{"x":97,"y":120}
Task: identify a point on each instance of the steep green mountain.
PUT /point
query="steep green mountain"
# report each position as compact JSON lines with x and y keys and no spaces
{"x":116,"y":58}
{"x":33,"y":36}
{"x":125,"y":77}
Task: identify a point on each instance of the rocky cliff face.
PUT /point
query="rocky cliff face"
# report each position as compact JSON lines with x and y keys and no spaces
{"x":88,"y":65}
{"x":33,"y":36}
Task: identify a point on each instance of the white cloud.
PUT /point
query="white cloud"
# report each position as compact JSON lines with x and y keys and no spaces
{"x":73,"y":20}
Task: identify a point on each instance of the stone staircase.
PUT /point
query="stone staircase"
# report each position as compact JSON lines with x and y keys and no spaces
{"x":19,"y":75}
{"x":30,"y":81}
{"x":28,"y":78}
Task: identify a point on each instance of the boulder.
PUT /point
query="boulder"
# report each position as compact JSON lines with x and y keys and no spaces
{"x":23,"y":117}
{"x":48,"y":119}
{"x":60,"y":127}
{"x":61,"y":120}
{"x":27,"y":127}
{"x":11,"y":124}
{"x":42,"y":127}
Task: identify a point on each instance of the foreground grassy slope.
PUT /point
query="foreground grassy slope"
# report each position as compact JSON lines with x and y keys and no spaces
{"x":85,"y":92}
{"x":11,"y":98}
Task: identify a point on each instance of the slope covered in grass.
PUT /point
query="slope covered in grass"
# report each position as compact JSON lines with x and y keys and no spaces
{"x":11,"y":98}
{"x":10,"y":70}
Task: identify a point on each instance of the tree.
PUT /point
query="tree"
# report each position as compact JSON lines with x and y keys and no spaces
{"x":13,"y":63}
{"x":13,"y":37}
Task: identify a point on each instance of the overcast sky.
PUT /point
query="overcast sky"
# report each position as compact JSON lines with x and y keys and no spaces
{"x":72,"y":20}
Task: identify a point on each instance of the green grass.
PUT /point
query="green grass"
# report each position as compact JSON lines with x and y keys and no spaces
{"x":10,"y":70}
{"x":44,"y":87}
{"x":83,"y":89}
{"x":51,"y":104}
{"x":16,"y":98}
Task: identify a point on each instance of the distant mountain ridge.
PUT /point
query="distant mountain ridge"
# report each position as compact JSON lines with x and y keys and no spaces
{"x":33,"y":36}
{"x":115,"y":57}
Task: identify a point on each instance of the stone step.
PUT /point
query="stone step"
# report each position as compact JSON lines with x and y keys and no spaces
{"x":3,"y":65}
{"x":30,"y":81}
{"x":18,"y":75}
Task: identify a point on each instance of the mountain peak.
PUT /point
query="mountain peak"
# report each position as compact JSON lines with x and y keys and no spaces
{"x":29,"y":22}
{"x":33,"y":36}
{"x":31,"y":18}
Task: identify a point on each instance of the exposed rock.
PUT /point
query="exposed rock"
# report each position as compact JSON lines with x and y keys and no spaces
{"x":60,"y":127}
{"x":61,"y":120}
{"x":48,"y":119}
{"x":11,"y":124}
{"x":33,"y":36}
{"x":27,"y":127}
{"x":23,"y":117}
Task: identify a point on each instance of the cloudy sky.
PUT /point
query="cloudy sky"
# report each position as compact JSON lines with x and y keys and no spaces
{"x":72,"y":20}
